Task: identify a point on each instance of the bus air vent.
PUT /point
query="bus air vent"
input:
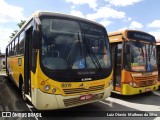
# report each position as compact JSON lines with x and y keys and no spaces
{"x":77,"y":101}
{"x":82,"y":90}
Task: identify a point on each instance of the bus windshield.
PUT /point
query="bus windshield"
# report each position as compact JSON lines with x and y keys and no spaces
{"x":140,"y":56}
{"x":68,"y":44}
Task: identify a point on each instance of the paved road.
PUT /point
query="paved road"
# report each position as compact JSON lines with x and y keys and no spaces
{"x":10,"y":100}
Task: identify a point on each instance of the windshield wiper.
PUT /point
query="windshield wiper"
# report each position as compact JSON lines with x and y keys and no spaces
{"x":92,"y":55}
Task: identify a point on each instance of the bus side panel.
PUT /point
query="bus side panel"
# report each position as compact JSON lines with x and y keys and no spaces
{"x":15,"y":68}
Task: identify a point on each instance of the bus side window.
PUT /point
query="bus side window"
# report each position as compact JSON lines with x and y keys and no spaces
{"x":21,"y":43}
{"x":8,"y":50}
{"x":11,"y":49}
{"x":16,"y":46}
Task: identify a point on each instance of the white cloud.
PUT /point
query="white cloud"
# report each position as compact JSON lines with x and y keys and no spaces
{"x":77,"y":13}
{"x":154,"y":24}
{"x":136,"y":25}
{"x":73,"y":6}
{"x":122,"y":2}
{"x":105,"y":13}
{"x":4,"y":37}
{"x":10,"y":13}
{"x":92,"y":3}
{"x":155,"y":33}
{"x":105,"y":23}
{"x":124,"y":28}
{"x":127,"y":19}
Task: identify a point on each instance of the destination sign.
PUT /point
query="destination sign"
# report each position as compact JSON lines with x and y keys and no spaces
{"x":140,"y":36}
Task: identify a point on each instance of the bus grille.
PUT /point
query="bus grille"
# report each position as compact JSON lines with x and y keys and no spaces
{"x":81,"y":90}
{"x":76,"y":101}
{"x":146,"y":83}
{"x":146,"y":78}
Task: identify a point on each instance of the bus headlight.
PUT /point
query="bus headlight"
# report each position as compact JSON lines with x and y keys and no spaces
{"x":110,"y":83}
{"x":155,"y":81}
{"x":54,"y":90}
{"x":46,"y":87}
{"x":130,"y":83}
{"x":133,"y":84}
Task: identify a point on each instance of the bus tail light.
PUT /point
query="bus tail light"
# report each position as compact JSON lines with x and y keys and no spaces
{"x":47,"y":87}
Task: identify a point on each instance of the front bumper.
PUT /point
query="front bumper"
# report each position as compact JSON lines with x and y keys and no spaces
{"x":129,"y":90}
{"x":45,"y":101}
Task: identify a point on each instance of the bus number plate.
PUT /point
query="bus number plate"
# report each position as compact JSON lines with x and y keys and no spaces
{"x":85,"y":97}
{"x":148,"y":89}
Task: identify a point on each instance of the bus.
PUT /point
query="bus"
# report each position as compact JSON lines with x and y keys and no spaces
{"x":134,"y":62}
{"x":158,"y":59}
{"x":60,"y":61}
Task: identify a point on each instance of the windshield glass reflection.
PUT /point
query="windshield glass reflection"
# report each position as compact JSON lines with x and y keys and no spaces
{"x":70,"y":45}
{"x":140,"y":56}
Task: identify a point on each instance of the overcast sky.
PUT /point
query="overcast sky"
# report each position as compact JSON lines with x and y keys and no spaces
{"x":113,"y":14}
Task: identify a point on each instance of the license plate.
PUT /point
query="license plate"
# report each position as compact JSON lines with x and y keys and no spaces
{"x":85,"y":97}
{"x":148,"y":89}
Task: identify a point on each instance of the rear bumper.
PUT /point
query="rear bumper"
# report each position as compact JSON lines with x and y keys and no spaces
{"x":129,"y":90}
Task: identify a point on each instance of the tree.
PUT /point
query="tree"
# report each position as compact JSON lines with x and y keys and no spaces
{"x":13,"y":34}
{"x":19,"y":25}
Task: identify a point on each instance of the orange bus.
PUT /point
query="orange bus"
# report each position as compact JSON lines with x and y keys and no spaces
{"x":134,"y":62}
{"x":158,"y":59}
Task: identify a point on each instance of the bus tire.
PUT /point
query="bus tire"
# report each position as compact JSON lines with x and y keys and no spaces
{"x":21,"y":87}
{"x":7,"y":72}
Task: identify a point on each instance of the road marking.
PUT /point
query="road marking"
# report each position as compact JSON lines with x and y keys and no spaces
{"x":29,"y":107}
{"x":156,"y":93}
{"x":138,"y":106}
{"x":108,"y":104}
{"x":157,"y":118}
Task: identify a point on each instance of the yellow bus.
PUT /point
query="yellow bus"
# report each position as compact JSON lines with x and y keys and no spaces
{"x":134,"y":62}
{"x":158,"y":59}
{"x":60,"y":61}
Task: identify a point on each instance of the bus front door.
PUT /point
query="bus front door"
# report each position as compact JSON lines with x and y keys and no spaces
{"x":28,"y":62}
{"x":117,"y":64}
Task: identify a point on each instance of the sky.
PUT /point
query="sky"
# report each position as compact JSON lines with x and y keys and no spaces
{"x":113,"y":14}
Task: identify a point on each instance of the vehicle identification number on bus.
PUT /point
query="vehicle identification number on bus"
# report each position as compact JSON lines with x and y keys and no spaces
{"x":66,"y":85}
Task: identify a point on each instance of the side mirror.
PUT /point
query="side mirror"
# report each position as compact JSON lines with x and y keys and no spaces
{"x":36,"y":39}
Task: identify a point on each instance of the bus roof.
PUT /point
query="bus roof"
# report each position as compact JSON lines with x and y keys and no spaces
{"x":130,"y":34}
{"x":115,"y":36}
{"x":49,"y":13}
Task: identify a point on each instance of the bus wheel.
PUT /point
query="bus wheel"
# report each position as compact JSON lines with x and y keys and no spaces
{"x":23,"y":93}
